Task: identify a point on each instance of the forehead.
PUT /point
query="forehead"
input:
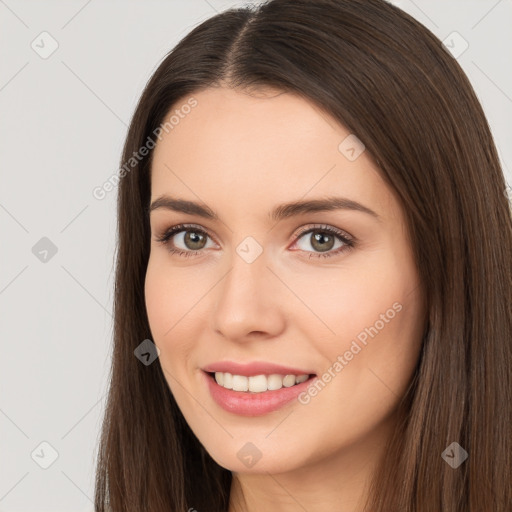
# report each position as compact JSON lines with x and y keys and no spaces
{"x":254,"y":150}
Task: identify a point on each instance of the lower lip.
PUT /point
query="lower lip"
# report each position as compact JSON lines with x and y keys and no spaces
{"x":253,"y":404}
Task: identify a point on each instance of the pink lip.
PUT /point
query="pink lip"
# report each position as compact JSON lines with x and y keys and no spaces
{"x":254,"y":368}
{"x":253,"y":404}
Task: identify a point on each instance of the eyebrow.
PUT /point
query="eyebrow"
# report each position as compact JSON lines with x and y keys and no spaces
{"x":280,"y":212}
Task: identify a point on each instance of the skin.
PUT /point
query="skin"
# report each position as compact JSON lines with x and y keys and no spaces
{"x":242,"y":154}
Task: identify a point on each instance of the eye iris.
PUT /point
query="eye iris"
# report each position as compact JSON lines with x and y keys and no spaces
{"x":320,"y":238}
{"x":193,"y":237}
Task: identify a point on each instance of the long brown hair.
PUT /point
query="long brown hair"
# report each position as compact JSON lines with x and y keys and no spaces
{"x":391,"y":82}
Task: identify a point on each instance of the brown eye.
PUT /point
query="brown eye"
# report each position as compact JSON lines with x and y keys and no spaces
{"x":194,"y":240}
{"x":323,"y":240}
{"x":185,"y":240}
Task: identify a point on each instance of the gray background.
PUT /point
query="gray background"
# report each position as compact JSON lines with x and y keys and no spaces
{"x":63,"y":122}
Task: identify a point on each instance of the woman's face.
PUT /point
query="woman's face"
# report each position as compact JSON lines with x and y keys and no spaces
{"x":258,"y":283}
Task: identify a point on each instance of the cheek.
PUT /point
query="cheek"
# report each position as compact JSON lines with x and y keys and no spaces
{"x":376,"y":315}
{"x":368,"y":366}
{"x":352,"y":305}
{"x":159,"y":301}
{"x":377,"y":304}
{"x":171,"y":297}
{"x":167,"y":303}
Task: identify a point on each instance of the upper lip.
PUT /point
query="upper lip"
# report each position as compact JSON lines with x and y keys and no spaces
{"x":254,"y":368}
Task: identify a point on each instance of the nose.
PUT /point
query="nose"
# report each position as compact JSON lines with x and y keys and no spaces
{"x":249,"y":302}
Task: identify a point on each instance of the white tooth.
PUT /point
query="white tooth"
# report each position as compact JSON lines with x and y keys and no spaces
{"x":289,"y":381}
{"x":228,"y":381}
{"x":258,"y":383}
{"x":274,"y":382}
{"x":240,"y":383}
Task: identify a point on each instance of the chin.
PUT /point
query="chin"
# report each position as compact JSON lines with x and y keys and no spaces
{"x":243,"y":456}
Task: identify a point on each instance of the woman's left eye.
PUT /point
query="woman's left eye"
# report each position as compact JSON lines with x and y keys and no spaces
{"x":194,"y":239}
{"x":324,"y":239}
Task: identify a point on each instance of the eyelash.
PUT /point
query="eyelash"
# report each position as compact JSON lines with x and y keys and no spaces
{"x":168,"y":234}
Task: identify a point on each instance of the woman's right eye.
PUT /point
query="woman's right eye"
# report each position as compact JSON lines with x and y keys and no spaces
{"x":190,"y":237}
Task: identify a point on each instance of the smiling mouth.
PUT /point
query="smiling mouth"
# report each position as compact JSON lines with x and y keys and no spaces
{"x":258,"y":383}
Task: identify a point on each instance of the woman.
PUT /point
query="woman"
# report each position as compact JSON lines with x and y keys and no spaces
{"x":314,"y":279}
